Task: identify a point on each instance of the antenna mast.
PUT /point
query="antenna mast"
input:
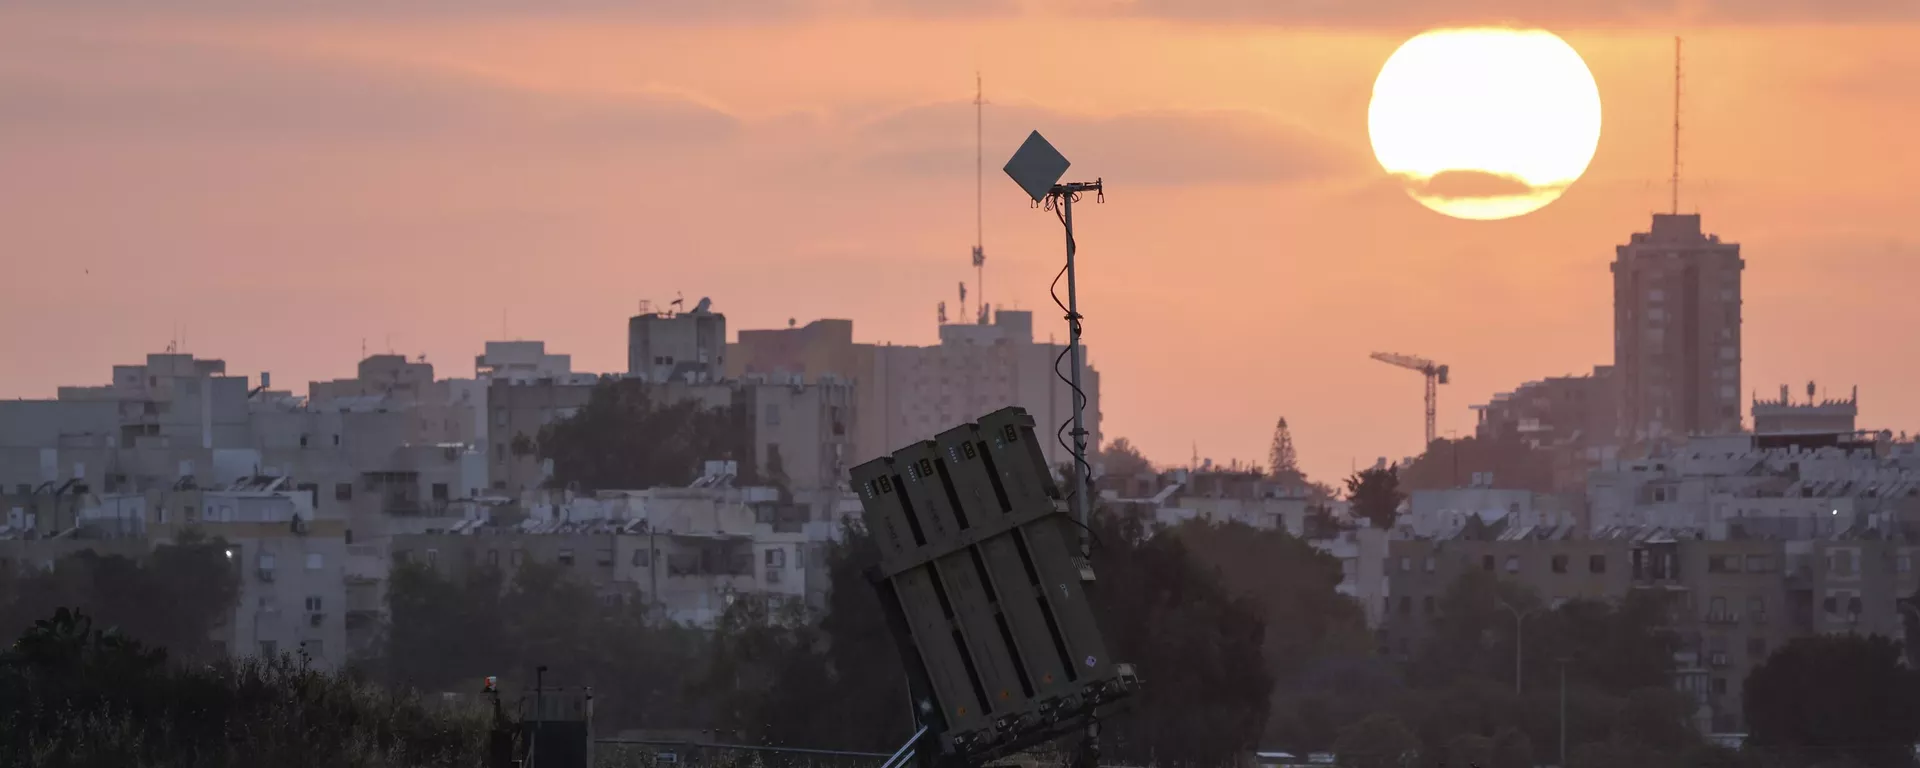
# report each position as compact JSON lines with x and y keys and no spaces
{"x":1676,"y":125}
{"x":979,"y":196}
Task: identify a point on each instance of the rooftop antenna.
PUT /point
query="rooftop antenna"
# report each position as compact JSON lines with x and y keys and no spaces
{"x":1676,"y":126}
{"x":963,"y":300}
{"x":1037,"y":168}
{"x":979,"y":198}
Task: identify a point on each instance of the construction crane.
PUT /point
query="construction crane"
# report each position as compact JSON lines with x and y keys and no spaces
{"x":1436,"y":375}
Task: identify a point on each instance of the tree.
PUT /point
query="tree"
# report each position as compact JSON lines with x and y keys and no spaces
{"x":1470,"y":749}
{"x":1283,"y":463}
{"x":1375,"y":495}
{"x":1511,"y":749}
{"x":1379,"y":741}
{"x":1294,"y":585}
{"x":171,"y":600}
{"x":627,"y":438}
{"x":1836,"y":697}
{"x":1192,"y":640}
{"x":1121,"y":459}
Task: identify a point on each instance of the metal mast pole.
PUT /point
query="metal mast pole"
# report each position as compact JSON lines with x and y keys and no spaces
{"x":979,"y":198}
{"x":1079,"y":398}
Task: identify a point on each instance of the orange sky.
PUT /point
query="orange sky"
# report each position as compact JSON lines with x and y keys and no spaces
{"x":284,"y":184}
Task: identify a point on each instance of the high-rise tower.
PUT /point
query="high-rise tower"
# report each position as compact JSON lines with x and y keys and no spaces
{"x":1676,"y":332}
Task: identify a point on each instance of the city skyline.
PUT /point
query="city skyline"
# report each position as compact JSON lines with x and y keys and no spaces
{"x":423,"y":183}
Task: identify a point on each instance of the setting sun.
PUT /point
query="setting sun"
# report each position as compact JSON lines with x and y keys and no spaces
{"x":1485,"y":123}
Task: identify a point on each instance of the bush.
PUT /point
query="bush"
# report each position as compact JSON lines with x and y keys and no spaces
{"x":72,"y":695}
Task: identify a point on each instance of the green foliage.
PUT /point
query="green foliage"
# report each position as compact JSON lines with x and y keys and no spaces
{"x":1121,"y":459}
{"x":446,"y":635}
{"x":1375,"y":494}
{"x":1511,"y":749}
{"x":1292,"y":584}
{"x":72,"y":694}
{"x":626,"y":437}
{"x":1836,"y":697}
{"x":1283,"y":462}
{"x":1195,"y":643}
{"x":1379,"y":741}
{"x":171,"y":599}
{"x":1470,"y":749}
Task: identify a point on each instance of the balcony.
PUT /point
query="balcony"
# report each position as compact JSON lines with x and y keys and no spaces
{"x":1722,"y":617}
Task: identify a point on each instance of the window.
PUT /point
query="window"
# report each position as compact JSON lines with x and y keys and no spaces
{"x":188,"y":512}
{"x":1426,"y":605}
{"x":1716,"y":607}
{"x":433,"y":558}
{"x":641,"y":559}
{"x":316,"y":561}
{"x":1757,"y":608}
{"x":269,"y":649}
{"x":440,"y":492}
{"x":336,"y":439}
{"x":1559,"y":563}
{"x":1596,"y":563}
{"x":1557,"y":602}
{"x":266,"y":561}
{"x":1759,"y":564}
{"x":773,"y":415}
{"x":1513,"y":563}
{"x":311,"y":648}
{"x":1406,"y":606}
{"x":519,"y":556}
{"x":604,"y":556}
{"x":1903,"y":563}
{"x":303,"y":441}
{"x":565,"y":558}
{"x":1723,"y":564}
{"x":493,"y":557}
{"x":1430,"y":564}
{"x":776,"y":558}
{"x":1486,"y":562}
{"x":499,"y":417}
{"x":1406,"y":565}
{"x":1720,"y":685}
{"x":499,"y":451}
{"x":314,"y":603}
{"x":343,"y":491}
{"x":1853,"y":605}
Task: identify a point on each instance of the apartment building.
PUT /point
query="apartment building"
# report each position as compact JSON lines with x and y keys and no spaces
{"x":908,"y":393}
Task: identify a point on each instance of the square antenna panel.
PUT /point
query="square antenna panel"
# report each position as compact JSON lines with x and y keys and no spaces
{"x":1037,"y":166}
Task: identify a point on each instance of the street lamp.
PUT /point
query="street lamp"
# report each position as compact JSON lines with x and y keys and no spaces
{"x":1519,"y":617}
{"x":1563,"y":712}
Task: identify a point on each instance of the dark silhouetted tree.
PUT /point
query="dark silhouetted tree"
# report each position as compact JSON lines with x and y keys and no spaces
{"x":1379,"y":741}
{"x":1283,"y":462}
{"x":1828,"y":697}
{"x":1194,"y":642}
{"x":628,"y":437}
{"x":1121,"y":459}
{"x":1375,"y":495}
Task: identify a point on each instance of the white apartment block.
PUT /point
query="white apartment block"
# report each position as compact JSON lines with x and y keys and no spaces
{"x":908,"y":393}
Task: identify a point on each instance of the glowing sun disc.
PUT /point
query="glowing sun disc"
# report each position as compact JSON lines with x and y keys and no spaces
{"x":1485,"y":123}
